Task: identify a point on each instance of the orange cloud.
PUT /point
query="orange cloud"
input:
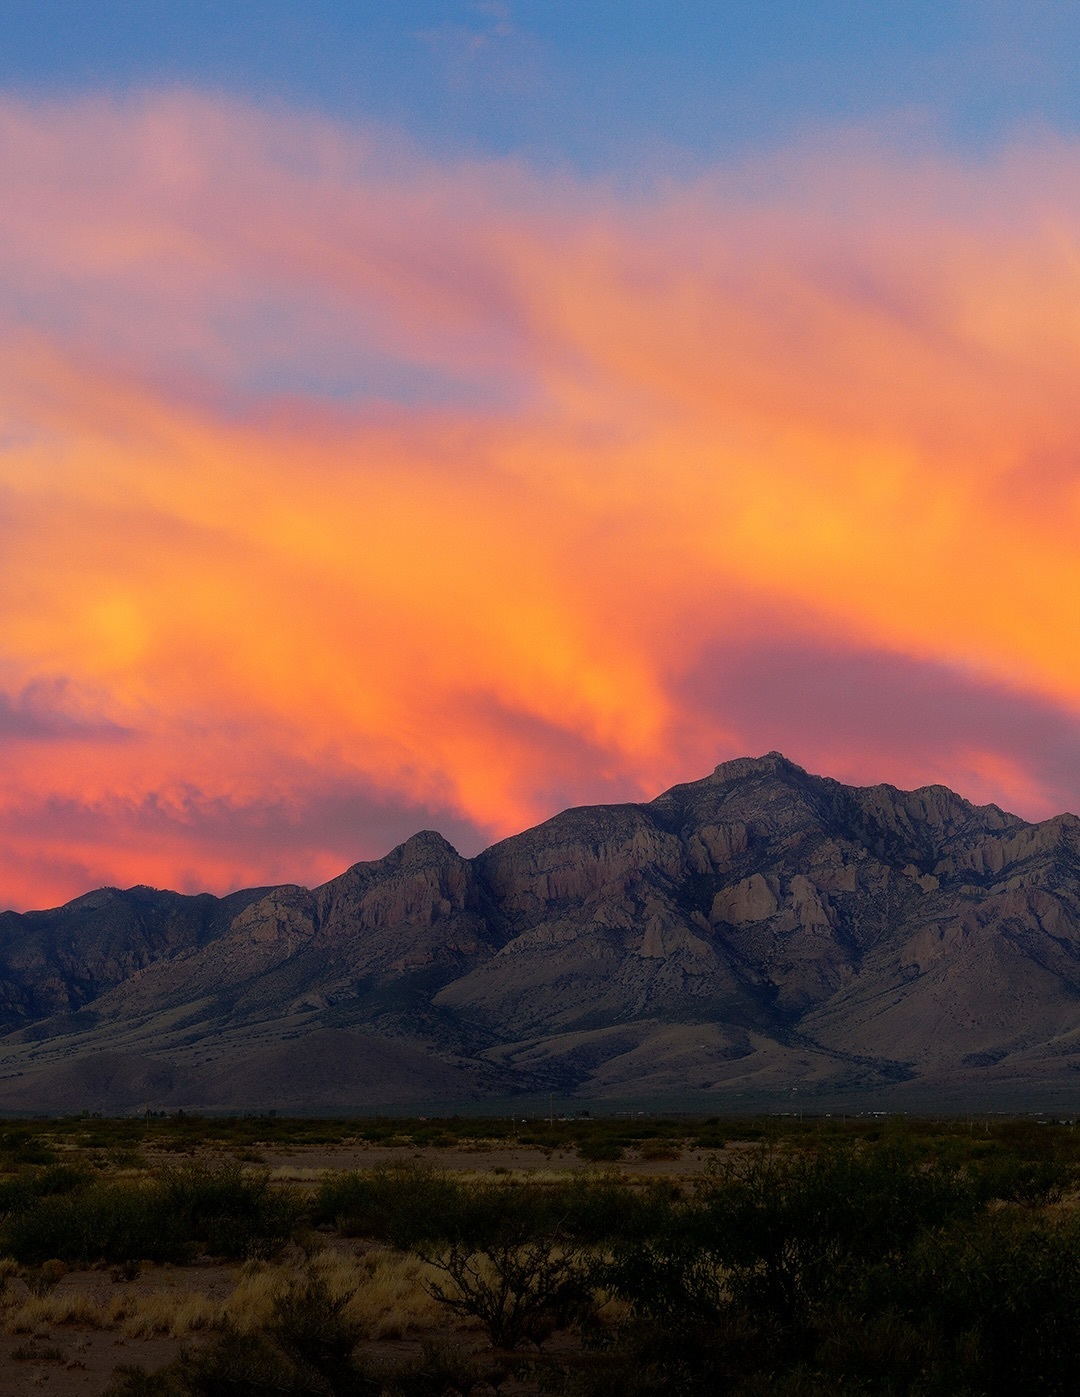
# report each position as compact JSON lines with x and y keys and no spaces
{"x":342,"y":492}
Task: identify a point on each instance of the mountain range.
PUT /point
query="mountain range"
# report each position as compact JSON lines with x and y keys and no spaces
{"x":759,"y":938}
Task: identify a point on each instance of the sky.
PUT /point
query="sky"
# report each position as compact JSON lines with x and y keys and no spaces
{"x":432,"y":415}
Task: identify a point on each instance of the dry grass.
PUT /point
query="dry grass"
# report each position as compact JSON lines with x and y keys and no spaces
{"x":385,"y":1291}
{"x":658,"y":1152}
{"x":391,"y":1299}
{"x":252,"y":1301}
{"x":138,"y":1314}
{"x":70,"y":1305}
{"x":172,"y":1312}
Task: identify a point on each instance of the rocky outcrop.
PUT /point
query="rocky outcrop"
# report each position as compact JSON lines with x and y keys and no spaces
{"x":58,"y":961}
{"x":759,"y":931}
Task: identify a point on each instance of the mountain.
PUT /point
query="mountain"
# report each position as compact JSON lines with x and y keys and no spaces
{"x":756,"y":937}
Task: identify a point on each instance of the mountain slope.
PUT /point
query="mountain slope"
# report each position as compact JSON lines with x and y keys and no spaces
{"x":755,"y":932}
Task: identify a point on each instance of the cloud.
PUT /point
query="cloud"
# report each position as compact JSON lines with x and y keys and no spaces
{"x":47,"y":710}
{"x":868,"y":715}
{"x":188,"y":839}
{"x":326,"y":468}
{"x":492,"y":53}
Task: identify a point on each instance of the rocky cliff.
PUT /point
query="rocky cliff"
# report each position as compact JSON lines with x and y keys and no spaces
{"x":755,"y":934}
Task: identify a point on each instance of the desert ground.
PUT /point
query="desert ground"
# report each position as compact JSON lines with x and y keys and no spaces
{"x":71,"y":1334}
{"x":131,"y":1248}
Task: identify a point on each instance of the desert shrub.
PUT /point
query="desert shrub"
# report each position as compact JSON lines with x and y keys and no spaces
{"x":310,"y":1326}
{"x":255,"y":1365}
{"x":411,"y":1204}
{"x":788,"y":1228}
{"x":656,"y":1150}
{"x":234,"y":1365}
{"x":684,"y":1336}
{"x":40,"y":1280}
{"x":520,"y":1291}
{"x":604,"y":1208}
{"x":433,"y":1137}
{"x":24,"y":1188}
{"x":1034,"y":1182}
{"x":1033,"y":1139}
{"x":999,"y":1299}
{"x":124,"y":1158}
{"x":865,"y":1270}
{"x":306,"y":1350}
{"x":600,"y":1150}
{"x":100,"y":1222}
{"x":132,"y":1380}
{"x":672,"y":1282}
{"x":407,"y":1204}
{"x":231,"y":1213}
{"x":19,"y":1148}
{"x":221,"y":1211}
{"x":771,"y":1257}
{"x":402,"y":1203}
{"x":441,"y":1369}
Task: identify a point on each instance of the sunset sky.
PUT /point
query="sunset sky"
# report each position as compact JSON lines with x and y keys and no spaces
{"x":422,"y":415}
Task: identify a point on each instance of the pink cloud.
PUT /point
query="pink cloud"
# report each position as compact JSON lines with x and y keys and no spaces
{"x":345,"y":480}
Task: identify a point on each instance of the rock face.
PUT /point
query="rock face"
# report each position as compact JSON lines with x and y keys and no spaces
{"x":759,"y":932}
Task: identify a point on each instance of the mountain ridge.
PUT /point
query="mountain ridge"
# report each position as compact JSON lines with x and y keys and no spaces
{"x":759,"y":932}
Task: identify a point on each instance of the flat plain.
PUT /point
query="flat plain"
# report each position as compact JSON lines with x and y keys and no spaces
{"x":182,"y":1255}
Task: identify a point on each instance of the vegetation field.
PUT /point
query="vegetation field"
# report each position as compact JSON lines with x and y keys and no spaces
{"x":191,"y":1257}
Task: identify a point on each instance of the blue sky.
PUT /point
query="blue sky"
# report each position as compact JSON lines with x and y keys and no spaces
{"x":600,"y":85}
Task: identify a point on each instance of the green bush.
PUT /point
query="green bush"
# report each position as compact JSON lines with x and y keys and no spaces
{"x":600,"y":1151}
{"x":788,"y":1226}
{"x":222,"y":1211}
{"x":865,"y":1269}
{"x":1001,"y":1299}
{"x":230,"y":1212}
{"x":1031,"y":1181}
{"x":402,"y":1203}
{"x":102,"y":1222}
{"x":411,"y":1204}
{"x":24,"y":1188}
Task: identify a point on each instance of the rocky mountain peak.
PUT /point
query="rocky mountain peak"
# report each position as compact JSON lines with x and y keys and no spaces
{"x":759,"y":930}
{"x":771,"y":764}
{"x":427,"y":846}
